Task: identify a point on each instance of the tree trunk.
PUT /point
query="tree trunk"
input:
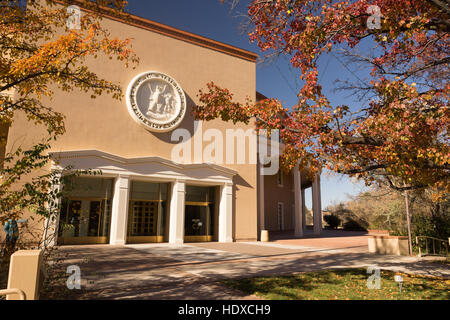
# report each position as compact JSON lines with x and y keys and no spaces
{"x":408,"y":222}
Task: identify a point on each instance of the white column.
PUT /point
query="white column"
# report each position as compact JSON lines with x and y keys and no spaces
{"x":298,"y":207}
{"x":317,"y":205}
{"x":261,"y":198}
{"x":303,"y":210}
{"x":119,"y":217}
{"x":176,"y":225}
{"x":226,"y":213}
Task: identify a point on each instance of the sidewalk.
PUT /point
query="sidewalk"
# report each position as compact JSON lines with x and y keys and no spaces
{"x":161,"y":271}
{"x":353,"y":241}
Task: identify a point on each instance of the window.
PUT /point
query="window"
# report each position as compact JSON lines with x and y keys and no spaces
{"x":280,"y":215}
{"x":280,"y":178}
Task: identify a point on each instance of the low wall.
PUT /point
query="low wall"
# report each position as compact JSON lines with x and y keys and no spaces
{"x":375,"y":232}
{"x":388,"y":245}
{"x":26,"y":274}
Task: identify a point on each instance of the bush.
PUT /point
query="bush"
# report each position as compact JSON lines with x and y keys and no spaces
{"x":431,"y":226}
{"x":333,"y":221}
{"x":353,"y":225}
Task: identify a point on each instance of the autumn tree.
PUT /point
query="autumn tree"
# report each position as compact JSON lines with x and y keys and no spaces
{"x":42,"y":49}
{"x":398,"y":133}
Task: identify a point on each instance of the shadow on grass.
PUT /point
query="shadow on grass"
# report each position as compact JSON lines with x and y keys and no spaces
{"x":341,"y":284}
{"x":284,"y":287}
{"x":433,"y":290}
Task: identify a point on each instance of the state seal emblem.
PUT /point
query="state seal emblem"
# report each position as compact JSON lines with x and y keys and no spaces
{"x":156,"y":101}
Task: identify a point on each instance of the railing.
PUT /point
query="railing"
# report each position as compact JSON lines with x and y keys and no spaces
{"x":19,"y":292}
{"x":433,"y":246}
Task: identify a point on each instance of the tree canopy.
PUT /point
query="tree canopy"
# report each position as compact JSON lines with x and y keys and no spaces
{"x":41,"y":52}
{"x":398,"y":134}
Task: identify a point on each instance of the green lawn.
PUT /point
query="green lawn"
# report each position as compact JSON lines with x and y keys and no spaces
{"x":342,"y":284}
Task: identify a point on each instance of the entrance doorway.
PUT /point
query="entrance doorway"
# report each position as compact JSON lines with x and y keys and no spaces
{"x":200,"y":223}
{"x":85,"y":215}
{"x":147,"y":212}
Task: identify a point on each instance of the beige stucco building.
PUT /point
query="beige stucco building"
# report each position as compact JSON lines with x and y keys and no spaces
{"x":143,"y":194}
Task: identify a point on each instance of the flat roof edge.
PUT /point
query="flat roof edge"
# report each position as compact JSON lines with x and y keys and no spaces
{"x":175,"y":33}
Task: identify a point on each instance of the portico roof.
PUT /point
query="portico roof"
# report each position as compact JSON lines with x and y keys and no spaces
{"x":142,"y":166}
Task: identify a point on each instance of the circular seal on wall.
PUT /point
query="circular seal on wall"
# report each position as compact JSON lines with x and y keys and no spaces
{"x":156,"y":101}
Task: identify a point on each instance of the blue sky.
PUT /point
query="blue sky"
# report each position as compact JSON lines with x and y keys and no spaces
{"x":277,"y":79}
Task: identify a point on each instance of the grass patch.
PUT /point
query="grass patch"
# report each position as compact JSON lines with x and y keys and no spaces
{"x":343,"y":284}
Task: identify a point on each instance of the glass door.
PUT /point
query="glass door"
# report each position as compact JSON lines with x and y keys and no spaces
{"x":199,"y":214}
{"x":146,"y":214}
{"x":84,"y":221}
{"x":85,"y":215}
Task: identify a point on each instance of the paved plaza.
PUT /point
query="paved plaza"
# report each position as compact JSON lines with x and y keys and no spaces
{"x":191,"y":271}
